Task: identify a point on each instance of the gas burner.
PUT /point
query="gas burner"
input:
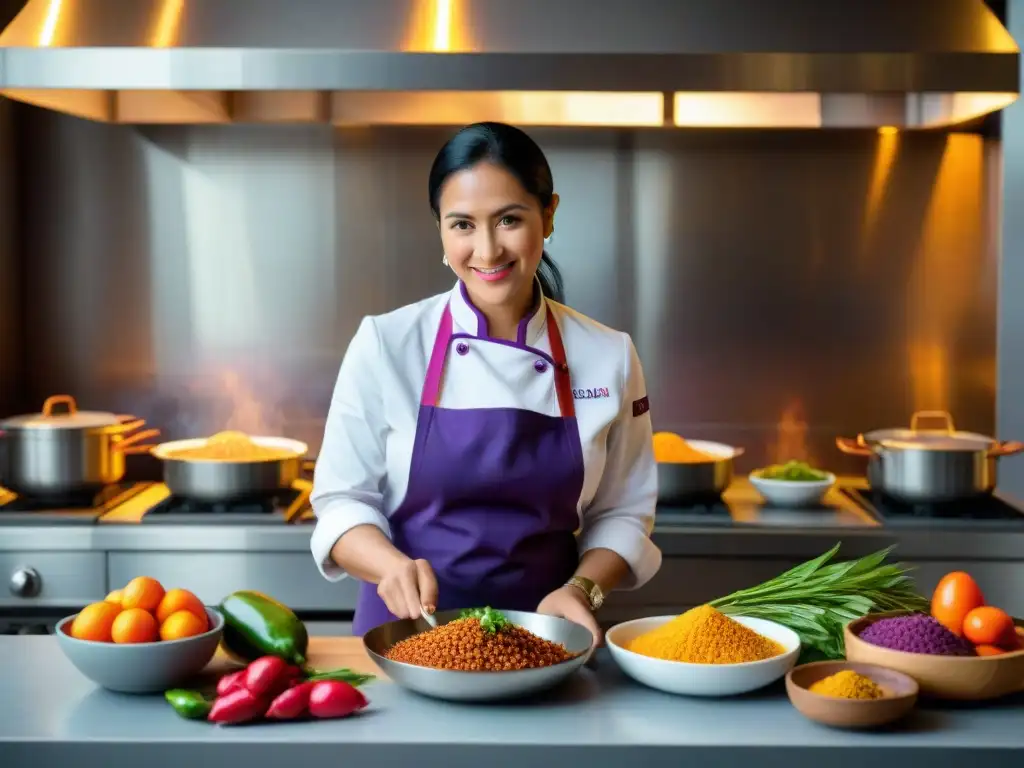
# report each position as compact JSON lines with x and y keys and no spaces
{"x":78,"y":508}
{"x":984,"y":511}
{"x":266,"y":510}
{"x":698,"y":510}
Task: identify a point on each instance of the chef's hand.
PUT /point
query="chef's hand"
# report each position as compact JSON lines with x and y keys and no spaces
{"x":406,"y":586}
{"x":569,"y":603}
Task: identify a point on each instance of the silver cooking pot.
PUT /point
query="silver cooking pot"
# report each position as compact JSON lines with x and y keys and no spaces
{"x":216,"y":480}
{"x":63,"y":451}
{"x":685,"y":482}
{"x":930,"y":465}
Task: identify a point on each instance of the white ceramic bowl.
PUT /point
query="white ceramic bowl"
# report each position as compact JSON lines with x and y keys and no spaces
{"x":792,"y":493}
{"x":703,"y":679}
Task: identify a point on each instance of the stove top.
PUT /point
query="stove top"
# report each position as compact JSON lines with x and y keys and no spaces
{"x":710,"y":510}
{"x":985,"y":511}
{"x":283,"y":507}
{"x":77,"y":509}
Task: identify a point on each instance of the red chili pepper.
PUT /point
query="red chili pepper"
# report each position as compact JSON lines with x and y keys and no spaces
{"x":239,"y":706}
{"x":292,"y":703}
{"x":333,"y":698}
{"x":269,"y":675}
{"x":228,"y":683}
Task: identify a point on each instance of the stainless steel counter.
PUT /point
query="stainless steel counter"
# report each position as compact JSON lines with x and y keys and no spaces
{"x":51,"y":715}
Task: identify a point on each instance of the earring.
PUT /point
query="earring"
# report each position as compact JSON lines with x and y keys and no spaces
{"x":550,"y":238}
{"x":444,"y":259}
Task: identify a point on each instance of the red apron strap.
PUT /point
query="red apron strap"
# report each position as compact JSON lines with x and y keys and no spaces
{"x":431,"y":394}
{"x":563,"y":382}
{"x":435,"y":369}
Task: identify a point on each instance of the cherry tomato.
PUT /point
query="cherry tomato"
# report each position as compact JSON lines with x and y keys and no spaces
{"x":956,"y":595}
{"x":989,"y":626}
{"x":988,"y":650}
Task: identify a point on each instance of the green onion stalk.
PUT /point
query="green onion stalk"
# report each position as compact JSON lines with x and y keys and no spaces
{"x":818,"y":598}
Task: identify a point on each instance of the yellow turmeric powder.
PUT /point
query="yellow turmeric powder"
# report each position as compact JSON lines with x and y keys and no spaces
{"x":703,"y":635}
{"x":848,"y":684}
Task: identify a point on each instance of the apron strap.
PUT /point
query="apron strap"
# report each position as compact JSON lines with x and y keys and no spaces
{"x":435,"y":369}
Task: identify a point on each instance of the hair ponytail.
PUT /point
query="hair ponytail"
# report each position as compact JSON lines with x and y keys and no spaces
{"x":550,"y":277}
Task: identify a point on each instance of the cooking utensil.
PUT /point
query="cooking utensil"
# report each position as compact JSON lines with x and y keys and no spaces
{"x":963,"y":678}
{"x":456,"y":685}
{"x":930,"y":465}
{"x":428,"y":617}
{"x":215,"y":480}
{"x":66,"y":451}
{"x":142,"y":667}
{"x":712,"y":680}
{"x":900,"y":695}
{"x":680,"y":483}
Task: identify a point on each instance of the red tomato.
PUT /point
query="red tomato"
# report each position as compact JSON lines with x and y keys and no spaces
{"x":956,"y":595}
{"x":989,"y":626}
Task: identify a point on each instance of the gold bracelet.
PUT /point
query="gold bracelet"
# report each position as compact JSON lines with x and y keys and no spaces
{"x":590,"y":590}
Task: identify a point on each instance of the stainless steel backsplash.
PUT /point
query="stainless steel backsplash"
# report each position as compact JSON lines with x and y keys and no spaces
{"x":782,"y":287}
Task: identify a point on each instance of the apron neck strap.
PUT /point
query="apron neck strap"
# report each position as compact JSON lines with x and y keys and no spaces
{"x":435,"y":369}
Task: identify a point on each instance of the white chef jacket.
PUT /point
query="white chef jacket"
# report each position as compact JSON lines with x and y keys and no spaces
{"x":362,"y":470}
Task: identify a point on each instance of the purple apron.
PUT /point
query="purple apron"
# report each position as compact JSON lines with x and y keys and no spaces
{"x":492,"y":494}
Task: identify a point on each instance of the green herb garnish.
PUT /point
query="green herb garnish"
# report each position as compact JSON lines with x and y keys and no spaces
{"x":817,"y":598}
{"x":490,"y":620}
{"x":798,"y":471}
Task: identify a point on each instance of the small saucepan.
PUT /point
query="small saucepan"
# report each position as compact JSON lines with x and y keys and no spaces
{"x":692,"y":470}
{"x":921,"y":465}
{"x":63,"y":451}
{"x":230,"y":466}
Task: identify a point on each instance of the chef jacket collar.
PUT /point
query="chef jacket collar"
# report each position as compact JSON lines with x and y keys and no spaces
{"x":472,"y":320}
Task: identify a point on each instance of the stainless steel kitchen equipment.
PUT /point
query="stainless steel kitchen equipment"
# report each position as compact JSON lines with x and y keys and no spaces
{"x":685,"y":483}
{"x":456,"y":685}
{"x":57,"y":453}
{"x":938,"y":464}
{"x":797,"y":63}
{"x":987,"y":512}
{"x":216,"y":480}
{"x":78,"y":510}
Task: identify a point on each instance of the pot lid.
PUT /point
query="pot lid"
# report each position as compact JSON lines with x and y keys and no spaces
{"x":929,"y":440}
{"x":53,"y":416}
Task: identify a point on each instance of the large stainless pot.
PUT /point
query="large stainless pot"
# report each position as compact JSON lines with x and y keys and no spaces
{"x":215,"y":480}
{"x":683,"y":483}
{"x":922,"y":465}
{"x":65,"y":451}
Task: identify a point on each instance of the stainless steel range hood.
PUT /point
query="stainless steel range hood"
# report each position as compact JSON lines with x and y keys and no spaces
{"x":766,"y":63}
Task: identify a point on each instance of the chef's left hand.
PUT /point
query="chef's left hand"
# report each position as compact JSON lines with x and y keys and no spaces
{"x":569,"y":603}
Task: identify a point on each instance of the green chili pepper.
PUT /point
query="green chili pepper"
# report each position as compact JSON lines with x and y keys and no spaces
{"x":191,"y":705}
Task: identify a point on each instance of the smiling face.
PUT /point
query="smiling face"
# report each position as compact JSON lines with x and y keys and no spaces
{"x":493,"y":231}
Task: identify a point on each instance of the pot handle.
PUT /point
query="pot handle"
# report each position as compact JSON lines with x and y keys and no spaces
{"x":128,"y":444}
{"x":1006,"y":448}
{"x":943,"y":416}
{"x":129,"y":423}
{"x":53,"y":400}
{"x":853,"y":447}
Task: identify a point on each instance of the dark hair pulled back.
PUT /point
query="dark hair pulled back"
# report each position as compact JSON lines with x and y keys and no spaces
{"x":511,"y":149}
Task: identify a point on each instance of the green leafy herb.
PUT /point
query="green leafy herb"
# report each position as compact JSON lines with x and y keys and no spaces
{"x":798,"y":471}
{"x":343,"y":675}
{"x":818,"y":598}
{"x":490,"y":620}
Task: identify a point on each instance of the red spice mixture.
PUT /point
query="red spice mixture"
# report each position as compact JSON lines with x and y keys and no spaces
{"x":464,"y":645}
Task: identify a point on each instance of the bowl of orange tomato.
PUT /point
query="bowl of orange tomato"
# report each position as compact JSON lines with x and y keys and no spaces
{"x":142,"y":638}
{"x":992,"y":660}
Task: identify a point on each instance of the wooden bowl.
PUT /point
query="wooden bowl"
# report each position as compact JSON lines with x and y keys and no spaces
{"x":900,"y":695}
{"x":960,"y":678}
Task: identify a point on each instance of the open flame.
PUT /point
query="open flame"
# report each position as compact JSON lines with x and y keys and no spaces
{"x":791,"y":436}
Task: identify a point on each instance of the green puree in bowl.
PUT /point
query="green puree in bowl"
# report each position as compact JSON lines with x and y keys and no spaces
{"x":798,"y":471}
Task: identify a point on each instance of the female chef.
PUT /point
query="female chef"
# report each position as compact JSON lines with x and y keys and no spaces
{"x":488,"y":446}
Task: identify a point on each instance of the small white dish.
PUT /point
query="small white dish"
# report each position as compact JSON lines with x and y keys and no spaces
{"x":710,"y":680}
{"x":792,"y":493}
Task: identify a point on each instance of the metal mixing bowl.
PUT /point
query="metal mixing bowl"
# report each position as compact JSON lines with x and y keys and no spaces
{"x":456,"y":685}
